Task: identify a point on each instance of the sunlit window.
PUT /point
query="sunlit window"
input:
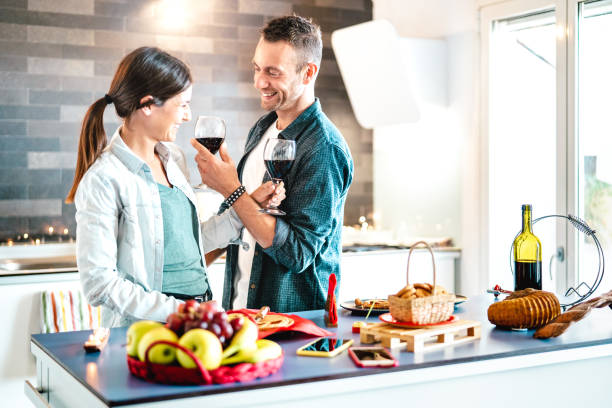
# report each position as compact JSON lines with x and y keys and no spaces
{"x":522,"y":137}
{"x":594,"y":135}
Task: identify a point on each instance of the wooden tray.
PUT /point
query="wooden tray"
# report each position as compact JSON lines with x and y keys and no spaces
{"x":418,"y":340}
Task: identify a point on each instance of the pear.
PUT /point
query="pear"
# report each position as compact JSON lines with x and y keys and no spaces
{"x":266,"y":350}
{"x":241,"y":355}
{"x":244,"y":338}
{"x":262,"y":350}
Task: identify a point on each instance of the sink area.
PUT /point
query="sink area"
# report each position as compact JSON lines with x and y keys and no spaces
{"x":30,"y":266}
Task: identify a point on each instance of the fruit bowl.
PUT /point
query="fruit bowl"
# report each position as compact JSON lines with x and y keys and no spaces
{"x":175,"y":374}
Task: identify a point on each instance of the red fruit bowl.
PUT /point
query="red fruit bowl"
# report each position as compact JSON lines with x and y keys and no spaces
{"x":175,"y":374}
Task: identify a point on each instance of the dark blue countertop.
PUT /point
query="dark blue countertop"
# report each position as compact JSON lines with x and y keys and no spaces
{"x":106,"y":374}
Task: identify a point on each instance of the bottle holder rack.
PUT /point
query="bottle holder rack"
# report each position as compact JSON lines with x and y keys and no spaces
{"x":583,"y":227}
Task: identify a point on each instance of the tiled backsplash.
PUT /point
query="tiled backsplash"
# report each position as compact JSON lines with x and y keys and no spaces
{"x":58,"y":56}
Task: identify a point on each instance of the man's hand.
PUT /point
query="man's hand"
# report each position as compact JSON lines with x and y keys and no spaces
{"x":269,"y":194}
{"x":220,"y":175}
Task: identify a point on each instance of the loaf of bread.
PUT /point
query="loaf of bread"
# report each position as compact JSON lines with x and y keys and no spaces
{"x":525,"y":309}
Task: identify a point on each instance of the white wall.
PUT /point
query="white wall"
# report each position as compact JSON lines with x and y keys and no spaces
{"x":431,"y":168}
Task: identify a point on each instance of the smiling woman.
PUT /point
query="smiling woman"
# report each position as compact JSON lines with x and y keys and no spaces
{"x":145,"y":77}
{"x":140,"y":246}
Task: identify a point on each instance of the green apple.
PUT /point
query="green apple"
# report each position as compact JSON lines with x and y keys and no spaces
{"x":204,"y":345}
{"x":161,"y":353}
{"x":135,"y":333}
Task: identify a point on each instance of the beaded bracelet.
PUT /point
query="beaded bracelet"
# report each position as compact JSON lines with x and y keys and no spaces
{"x":229,"y":201}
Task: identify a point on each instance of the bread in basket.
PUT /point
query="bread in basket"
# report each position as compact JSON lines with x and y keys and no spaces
{"x":436,"y":308}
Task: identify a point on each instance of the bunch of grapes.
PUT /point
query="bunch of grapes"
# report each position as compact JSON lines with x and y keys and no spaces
{"x":208,"y":316}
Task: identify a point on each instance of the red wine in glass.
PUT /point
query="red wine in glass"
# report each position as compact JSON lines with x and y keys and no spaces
{"x":279,"y":155}
{"x":210,"y":133}
{"x":211,"y":143}
{"x":278,"y":168}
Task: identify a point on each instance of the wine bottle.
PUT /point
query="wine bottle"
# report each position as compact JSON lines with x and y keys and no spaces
{"x":527,"y":251}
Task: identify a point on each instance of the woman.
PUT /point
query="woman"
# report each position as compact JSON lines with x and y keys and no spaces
{"x":139,"y":242}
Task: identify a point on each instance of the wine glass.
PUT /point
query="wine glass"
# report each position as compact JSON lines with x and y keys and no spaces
{"x":278,"y":157}
{"x":210,"y":133}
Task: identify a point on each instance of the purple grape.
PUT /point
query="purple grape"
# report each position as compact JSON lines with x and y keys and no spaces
{"x":236,"y":324}
{"x":208,"y":316}
{"x":204,"y":325}
{"x":215,"y":328}
{"x":191,"y":324}
{"x":222,"y":339}
{"x":227,"y":331}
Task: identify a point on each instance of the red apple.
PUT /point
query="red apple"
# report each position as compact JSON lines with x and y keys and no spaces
{"x":175,"y":323}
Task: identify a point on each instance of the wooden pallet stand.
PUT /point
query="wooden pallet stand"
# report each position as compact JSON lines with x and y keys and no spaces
{"x":418,"y":340}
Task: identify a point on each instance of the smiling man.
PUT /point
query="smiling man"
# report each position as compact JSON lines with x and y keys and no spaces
{"x":289,"y":272}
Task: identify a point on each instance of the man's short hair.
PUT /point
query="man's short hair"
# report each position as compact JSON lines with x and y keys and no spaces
{"x":303,"y":35}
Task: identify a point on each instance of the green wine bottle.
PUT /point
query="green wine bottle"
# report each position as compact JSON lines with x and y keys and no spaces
{"x":527,"y":251}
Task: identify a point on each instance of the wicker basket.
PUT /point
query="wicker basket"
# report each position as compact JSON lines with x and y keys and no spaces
{"x":174,"y":374}
{"x":422,"y":310}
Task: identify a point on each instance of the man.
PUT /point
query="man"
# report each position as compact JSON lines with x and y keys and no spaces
{"x":288,"y":264}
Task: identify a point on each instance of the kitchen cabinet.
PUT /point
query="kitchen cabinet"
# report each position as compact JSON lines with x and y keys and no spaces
{"x":19,"y":319}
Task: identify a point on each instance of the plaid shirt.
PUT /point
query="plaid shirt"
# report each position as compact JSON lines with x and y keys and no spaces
{"x":293,"y":273}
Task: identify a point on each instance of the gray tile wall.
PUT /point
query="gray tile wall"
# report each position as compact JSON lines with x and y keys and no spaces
{"x":58,"y":56}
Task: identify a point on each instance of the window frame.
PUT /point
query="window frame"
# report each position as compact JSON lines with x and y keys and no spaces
{"x":566,"y":19}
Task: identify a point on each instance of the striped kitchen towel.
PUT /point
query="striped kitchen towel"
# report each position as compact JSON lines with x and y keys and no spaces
{"x":67,"y":310}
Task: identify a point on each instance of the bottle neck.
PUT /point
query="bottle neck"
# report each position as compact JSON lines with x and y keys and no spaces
{"x":527,"y":220}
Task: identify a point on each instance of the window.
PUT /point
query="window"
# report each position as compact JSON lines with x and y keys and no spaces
{"x":594,"y":132}
{"x":522,"y":139}
{"x":546,"y":132}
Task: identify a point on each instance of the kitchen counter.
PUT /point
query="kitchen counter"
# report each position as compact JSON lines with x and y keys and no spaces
{"x":503,"y":368}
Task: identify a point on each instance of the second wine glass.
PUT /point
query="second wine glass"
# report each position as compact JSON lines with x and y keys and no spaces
{"x":279,"y":155}
{"x":210,"y":133}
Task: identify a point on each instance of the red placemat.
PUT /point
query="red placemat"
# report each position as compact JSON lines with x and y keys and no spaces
{"x":299,"y":324}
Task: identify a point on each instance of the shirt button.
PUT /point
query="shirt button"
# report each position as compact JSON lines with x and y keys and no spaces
{"x":158,"y":242}
{"x":257,"y":253}
{"x":252,"y":286}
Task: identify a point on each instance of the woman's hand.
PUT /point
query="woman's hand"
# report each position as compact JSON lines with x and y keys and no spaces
{"x":269,"y":194}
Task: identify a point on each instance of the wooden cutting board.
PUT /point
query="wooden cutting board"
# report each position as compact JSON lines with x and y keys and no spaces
{"x":424,"y":339}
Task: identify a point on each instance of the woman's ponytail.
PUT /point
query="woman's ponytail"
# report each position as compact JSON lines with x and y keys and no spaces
{"x":146,"y":71}
{"x":91,"y":143}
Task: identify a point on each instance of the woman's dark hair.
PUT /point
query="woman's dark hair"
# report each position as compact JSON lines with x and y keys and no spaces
{"x":144,"y":71}
{"x":303,"y":35}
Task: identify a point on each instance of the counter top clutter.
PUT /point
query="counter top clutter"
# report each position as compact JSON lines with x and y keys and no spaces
{"x":103,"y":379}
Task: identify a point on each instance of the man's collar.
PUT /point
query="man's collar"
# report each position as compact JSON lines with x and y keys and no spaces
{"x":295,"y":127}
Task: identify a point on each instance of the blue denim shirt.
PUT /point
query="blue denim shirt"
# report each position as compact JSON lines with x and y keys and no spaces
{"x":293,"y":273}
{"x":120,"y":233}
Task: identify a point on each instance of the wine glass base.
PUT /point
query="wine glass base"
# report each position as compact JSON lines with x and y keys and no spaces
{"x":272,"y":211}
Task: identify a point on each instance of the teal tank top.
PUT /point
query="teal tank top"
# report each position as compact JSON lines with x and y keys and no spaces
{"x":184,"y":271}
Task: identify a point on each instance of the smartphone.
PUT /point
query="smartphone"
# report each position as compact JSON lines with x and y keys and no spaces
{"x":325,"y":347}
{"x":372,"y":357}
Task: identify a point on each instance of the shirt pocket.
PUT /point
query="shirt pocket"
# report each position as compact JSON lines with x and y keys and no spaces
{"x":128,"y":230}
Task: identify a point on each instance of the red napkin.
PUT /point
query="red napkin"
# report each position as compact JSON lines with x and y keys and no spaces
{"x":299,"y":324}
